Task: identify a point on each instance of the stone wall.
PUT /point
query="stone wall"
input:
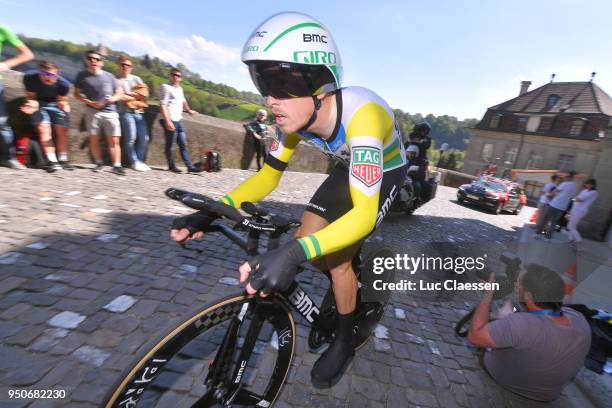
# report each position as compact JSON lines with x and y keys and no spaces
{"x":203,"y":132}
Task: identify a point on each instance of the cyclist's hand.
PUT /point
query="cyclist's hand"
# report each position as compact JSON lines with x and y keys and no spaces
{"x":273,"y":271}
{"x":191,"y":226}
{"x":183,"y":235}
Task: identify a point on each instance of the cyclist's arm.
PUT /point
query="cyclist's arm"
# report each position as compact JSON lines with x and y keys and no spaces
{"x":365,"y":134}
{"x":265,"y":180}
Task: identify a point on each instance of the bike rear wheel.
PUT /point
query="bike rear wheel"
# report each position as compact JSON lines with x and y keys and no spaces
{"x":235,"y":351}
{"x":367,"y":314}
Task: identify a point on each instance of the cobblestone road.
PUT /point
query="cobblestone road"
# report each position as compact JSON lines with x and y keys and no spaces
{"x":87,"y":275}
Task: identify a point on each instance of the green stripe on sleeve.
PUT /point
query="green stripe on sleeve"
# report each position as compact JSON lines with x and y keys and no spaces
{"x":228,"y":200}
{"x":304,"y":247}
{"x":394,"y":162}
{"x":316,"y":245}
{"x":391,"y":147}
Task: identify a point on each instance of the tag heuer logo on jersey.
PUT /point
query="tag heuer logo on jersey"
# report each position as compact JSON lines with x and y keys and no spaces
{"x":367,"y":165}
{"x":274,"y":145}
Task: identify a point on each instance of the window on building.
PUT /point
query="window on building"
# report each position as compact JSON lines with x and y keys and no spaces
{"x":510,"y":154}
{"x":566,"y":162}
{"x":494,"y":121}
{"x":487,"y":151}
{"x":533,"y":123}
{"x":576,"y":127}
{"x":535,"y":160}
{"x":552,"y":100}
{"x":522,"y":123}
{"x":545,"y":124}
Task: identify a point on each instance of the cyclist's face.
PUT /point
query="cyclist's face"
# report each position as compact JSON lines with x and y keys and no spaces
{"x":290,"y":114}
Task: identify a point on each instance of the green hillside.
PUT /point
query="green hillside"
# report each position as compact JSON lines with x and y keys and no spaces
{"x":223,"y":101}
{"x":206,"y":97}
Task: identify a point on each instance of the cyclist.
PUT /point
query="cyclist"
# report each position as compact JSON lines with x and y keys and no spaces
{"x":295,"y":64}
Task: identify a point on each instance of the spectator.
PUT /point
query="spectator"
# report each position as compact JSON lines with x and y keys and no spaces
{"x":172,"y":103}
{"x":47,"y":102}
{"x":581,"y":206}
{"x":8,"y":156}
{"x":258,"y":131}
{"x":560,"y":200}
{"x":99,"y":91}
{"x":536,"y":352}
{"x":131,"y":113}
{"x":546,"y":195}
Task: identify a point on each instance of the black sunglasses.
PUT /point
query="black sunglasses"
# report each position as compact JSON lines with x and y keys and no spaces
{"x":286,"y":80}
{"x":94,"y":59}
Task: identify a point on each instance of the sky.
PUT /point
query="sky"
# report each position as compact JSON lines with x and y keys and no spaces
{"x":443,"y":57}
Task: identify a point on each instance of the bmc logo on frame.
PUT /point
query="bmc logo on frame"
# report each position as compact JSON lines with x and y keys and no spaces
{"x":366,"y":165}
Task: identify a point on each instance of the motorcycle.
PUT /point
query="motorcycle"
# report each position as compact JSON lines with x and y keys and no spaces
{"x":407,"y":200}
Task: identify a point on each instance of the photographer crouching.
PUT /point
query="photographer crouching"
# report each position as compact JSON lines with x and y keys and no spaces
{"x":536,"y":352}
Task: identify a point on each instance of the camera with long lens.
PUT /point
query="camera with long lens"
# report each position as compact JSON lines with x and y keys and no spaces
{"x":505,"y":277}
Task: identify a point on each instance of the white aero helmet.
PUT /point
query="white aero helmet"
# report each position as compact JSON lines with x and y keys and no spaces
{"x":291,"y":55}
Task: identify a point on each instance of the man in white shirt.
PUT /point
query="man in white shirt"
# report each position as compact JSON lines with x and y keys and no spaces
{"x":561,"y":197}
{"x":582,"y":203}
{"x":545,"y":196}
{"x":172,"y":102}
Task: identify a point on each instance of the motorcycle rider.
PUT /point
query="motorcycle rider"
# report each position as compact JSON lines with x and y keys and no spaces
{"x":412,"y":154}
{"x":419,"y":137}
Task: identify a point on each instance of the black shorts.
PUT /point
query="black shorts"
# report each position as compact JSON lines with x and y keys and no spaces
{"x":333,"y":199}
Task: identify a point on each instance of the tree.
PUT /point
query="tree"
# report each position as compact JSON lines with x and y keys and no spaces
{"x":146,"y":61}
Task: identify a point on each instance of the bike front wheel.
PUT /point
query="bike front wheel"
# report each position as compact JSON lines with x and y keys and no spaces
{"x":236,"y":351}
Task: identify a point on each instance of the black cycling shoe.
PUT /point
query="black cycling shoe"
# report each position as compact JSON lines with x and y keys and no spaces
{"x":118,"y":170}
{"x":98,"y":168}
{"x":194,"y":170}
{"x":175,"y":170}
{"x":332,"y":364}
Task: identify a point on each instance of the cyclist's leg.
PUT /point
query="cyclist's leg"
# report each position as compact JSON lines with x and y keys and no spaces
{"x":339,"y":264}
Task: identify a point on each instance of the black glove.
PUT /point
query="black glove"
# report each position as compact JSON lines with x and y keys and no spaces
{"x":195,"y":222}
{"x":275,"y":270}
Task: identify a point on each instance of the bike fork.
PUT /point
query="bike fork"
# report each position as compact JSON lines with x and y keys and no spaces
{"x":224,"y":387}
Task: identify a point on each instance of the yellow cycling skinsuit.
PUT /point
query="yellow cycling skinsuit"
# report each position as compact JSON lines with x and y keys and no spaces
{"x":368,"y":147}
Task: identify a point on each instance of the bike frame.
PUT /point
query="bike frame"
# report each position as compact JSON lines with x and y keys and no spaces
{"x":293,"y":296}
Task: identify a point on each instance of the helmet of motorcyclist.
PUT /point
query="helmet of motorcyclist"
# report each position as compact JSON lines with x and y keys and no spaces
{"x":414,"y":149}
{"x":422,"y":129}
{"x":291,"y":55}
